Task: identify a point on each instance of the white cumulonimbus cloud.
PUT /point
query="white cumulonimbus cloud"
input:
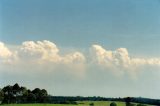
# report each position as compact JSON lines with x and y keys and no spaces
{"x":120,"y":58}
{"x":5,"y":53}
{"x":42,"y":56}
{"x":48,"y":51}
{"x":46,"y":54}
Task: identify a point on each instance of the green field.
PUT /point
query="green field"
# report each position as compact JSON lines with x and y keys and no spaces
{"x":84,"y":103}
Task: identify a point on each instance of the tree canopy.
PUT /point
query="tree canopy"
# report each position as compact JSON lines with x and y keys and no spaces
{"x":20,"y":94}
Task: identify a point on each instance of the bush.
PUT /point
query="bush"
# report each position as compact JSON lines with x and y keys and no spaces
{"x":91,"y":104}
{"x":113,"y":104}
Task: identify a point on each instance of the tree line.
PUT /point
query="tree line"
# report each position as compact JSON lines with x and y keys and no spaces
{"x":127,"y":100}
{"x":19,"y":94}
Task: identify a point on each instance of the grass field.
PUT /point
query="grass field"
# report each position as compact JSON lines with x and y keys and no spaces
{"x":84,"y":103}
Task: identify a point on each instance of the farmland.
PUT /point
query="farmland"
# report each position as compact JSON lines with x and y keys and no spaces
{"x":82,"y":103}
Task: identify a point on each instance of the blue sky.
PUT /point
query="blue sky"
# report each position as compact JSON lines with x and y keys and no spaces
{"x":78,"y":24}
{"x":113,"y":23}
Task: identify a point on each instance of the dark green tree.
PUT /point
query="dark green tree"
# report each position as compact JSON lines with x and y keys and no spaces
{"x":16,"y":87}
{"x":16,"y":93}
{"x":31,"y":98}
{"x":91,"y":104}
{"x":127,"y":100}
{"x":43,"y":95}
{"x":1,"y":96}
{"x":8,"y":94}
{"x":23,"y":94}
{"x":37,"y":93}
{"x":113,"y":104}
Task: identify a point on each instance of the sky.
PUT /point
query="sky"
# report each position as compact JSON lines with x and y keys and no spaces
{"x":106,"y":48}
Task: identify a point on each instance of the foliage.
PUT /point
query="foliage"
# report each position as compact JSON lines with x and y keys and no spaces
{"x":16,"y":94}
{"x":1,"y":96}
{"x":113,"y":104}
{"x":91,"y":104}
{"x":20,"y":95}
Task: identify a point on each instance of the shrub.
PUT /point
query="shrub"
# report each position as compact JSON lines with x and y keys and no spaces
{"x":91,"y":104}
{"x":113,"y":104}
